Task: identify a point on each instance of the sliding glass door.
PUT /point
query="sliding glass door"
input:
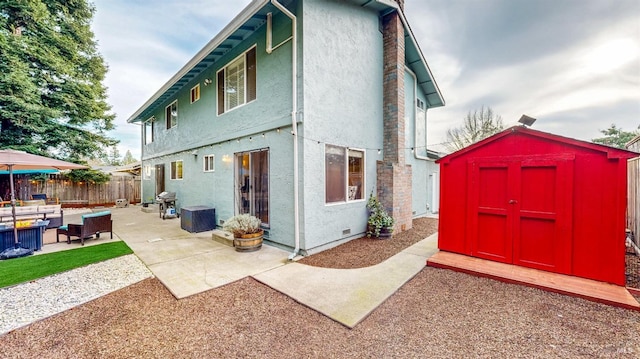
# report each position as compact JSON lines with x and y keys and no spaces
{"x":252,"y":183}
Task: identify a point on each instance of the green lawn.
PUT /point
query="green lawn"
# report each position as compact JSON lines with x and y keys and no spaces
{"x":19,"y":270}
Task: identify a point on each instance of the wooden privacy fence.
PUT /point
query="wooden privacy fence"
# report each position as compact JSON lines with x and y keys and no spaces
{"x":73,"y":194}
{"x":633,"y":202}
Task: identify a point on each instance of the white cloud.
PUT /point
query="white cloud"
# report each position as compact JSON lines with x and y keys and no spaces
{"x":575,"y":90}
{"x":576,"y":69}
{"x":145,"y":43}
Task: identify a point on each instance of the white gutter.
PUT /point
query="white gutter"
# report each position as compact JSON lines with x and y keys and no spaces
{"x":294,"y":124}
{"x":234,"y":25}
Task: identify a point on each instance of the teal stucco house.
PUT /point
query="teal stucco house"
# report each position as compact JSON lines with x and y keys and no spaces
{"x":296,"y":112}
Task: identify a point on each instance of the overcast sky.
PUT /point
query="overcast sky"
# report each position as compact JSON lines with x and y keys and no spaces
{"x":572,"y":64}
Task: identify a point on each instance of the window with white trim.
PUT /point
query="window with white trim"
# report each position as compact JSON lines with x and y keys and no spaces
{"x":209,"y":163}
{"x":171,"y":114}
{"x":237,"y":82}
{"x":344,"y":174}
{"x":176,"y":170}
{"x":147,"y":172}
{"x":195,"y":93}
{"x":148,"y":130}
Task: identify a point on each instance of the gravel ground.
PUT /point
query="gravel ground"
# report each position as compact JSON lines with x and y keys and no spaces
{"x":364,"y":252}
{"x":439,"y":313}
{"x":25,"y":303}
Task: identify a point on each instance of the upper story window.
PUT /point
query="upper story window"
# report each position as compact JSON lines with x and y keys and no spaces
{"x":237,"y":82}
{"x":171,"y":114}
{"x":344,"y":174}
{"x":195,"y":93}
{"x":209,"y":163}
{"x":148,"y":131}
{"x":176,"y":170}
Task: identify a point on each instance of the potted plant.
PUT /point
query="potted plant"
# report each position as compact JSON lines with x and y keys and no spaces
{"x":247,"y":233}
{"x":380,"y":223}
{"x":146,"y":203}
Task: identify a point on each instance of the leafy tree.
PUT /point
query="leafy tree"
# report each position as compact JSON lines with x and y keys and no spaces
{"x":52,"y":100}
{"x":89,"y":176}
{"x":476,"y":126}
{"x":128,"y":158}
{"x":616,"y":137}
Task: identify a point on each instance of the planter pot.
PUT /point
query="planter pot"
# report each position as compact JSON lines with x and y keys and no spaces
{"x":385,"y":233}
{"x":248,"y":242}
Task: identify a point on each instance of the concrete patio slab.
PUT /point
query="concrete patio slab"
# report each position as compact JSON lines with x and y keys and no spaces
{"x":159,"y":250}
{"x":63,"y":246}
{"x":190,"y":263}
{"x":349,"y":295}
{"x":204,"y":271}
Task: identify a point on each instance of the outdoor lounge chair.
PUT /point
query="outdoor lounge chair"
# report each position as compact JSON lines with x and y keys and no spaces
{"x":92,"y":224}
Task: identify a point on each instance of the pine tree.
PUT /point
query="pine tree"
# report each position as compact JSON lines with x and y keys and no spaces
{"x":128,"y":158}
{"x":52,"y":100}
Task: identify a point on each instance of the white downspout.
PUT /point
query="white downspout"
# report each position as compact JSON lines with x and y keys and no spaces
{"x":294,"y":122}
{"x":434,"y":180}
{"x":415,"y":115}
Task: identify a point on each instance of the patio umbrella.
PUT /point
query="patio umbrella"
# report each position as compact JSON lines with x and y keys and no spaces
{"x":11,"y":160}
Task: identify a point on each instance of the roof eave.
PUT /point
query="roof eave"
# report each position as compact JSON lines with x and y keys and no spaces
{"x":246,"y":14}
{"x":612,"y":152}
{"x":423,"y":61}
{"x":387,"y":6}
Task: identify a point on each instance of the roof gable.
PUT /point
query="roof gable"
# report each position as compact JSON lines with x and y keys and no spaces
{"x":248,"y":21}
{"x":413,"y":54}
{"x":610,"y":152}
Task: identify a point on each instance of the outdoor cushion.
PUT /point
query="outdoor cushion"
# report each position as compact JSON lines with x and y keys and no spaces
{"x":26,"y":209}
{"x":97,"y":214}
{"x":50,"y":207}
{"x":92,"y":224}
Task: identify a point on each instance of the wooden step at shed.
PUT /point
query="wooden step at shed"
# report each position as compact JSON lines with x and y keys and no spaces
{"x":589,"y":289}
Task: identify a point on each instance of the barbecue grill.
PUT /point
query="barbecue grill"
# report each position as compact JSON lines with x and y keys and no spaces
{"x":167,"y":205}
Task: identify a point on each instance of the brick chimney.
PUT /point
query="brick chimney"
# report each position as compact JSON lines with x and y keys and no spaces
{"x":393,"y":174}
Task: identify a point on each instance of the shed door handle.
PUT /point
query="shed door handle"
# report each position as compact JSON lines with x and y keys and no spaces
{"x":513,"y":201}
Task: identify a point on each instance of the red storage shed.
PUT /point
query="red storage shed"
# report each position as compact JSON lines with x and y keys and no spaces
{"x":537,"y":200}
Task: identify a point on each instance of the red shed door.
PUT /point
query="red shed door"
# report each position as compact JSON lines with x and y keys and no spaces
{"x":521,"y":212}
{"x":489,"y":218}
{"x":542,"y":223}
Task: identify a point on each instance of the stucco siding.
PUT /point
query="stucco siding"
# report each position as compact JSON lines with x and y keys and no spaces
{"x":423,"y":169}
{"x":340,"y":103}
{"x":198,"y":122}
{"x":342,"y":106}
{"x":264,"y":123}
{"x":217,"y":189}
